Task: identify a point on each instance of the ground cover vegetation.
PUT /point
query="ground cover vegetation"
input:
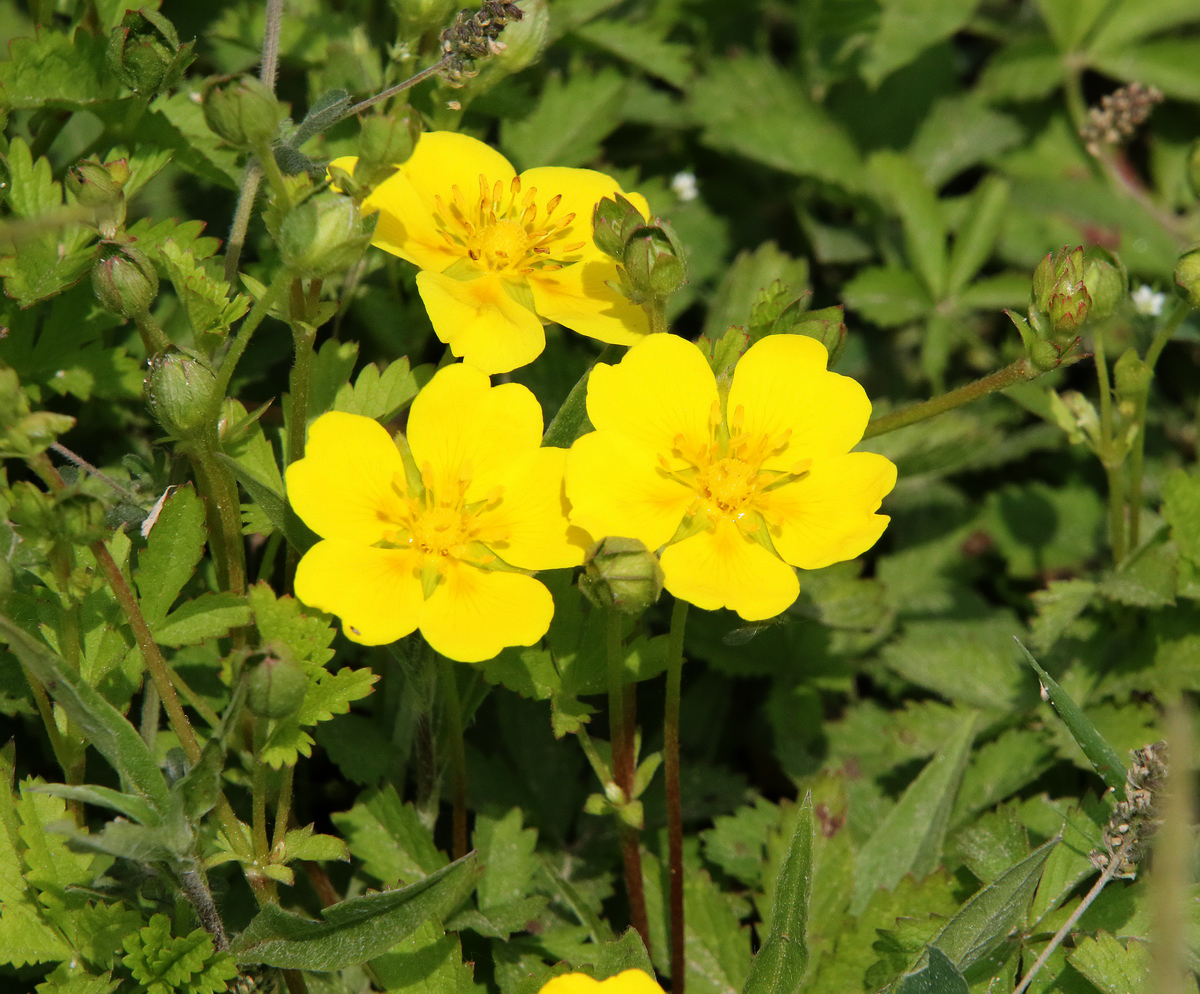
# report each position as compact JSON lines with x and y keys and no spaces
{"x":595,"y":496}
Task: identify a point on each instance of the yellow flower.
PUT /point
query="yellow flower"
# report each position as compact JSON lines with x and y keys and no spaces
{"x":628,"y":982}
{"x":501,"y":253}
{"x":433,"y":542}
{"x":738,"y":489}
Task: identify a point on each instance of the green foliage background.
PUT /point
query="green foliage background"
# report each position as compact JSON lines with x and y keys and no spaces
{"x":910,"y":160}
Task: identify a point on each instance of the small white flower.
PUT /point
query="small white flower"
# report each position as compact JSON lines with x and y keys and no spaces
{"x":1147,"y":302}
{"x":684,"y":186}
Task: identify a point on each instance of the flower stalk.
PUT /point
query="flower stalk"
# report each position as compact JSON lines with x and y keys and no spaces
{"x":674,"y":807}
{"x":456,"y":753}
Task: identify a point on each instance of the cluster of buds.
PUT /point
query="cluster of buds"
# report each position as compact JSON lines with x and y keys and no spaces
{"x":1118,"y":116}
{"x":1068,"y":288}
{"x":1135,"y":819}
{"x":651,"y":256}
{"x":473,"y":36}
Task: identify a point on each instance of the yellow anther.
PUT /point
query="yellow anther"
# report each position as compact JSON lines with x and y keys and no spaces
{"x":552,"y":204}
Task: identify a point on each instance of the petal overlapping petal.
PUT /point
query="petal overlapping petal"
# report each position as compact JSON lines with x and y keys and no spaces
{"x":721,"y":567}
{"x":474,"y":613}
{"x":376,"y":592}
{"x":781,"y":385}
{"x":615,"y":487}
{"x":463,"y":430}
{"x":579,"y":297}
{"x":661,"y":389}
{"x":829,"y":516}
{"x":625,"y":982}
{"x":481,"y":322}
{"x":526,"y":528}
{"x":349,"y":484}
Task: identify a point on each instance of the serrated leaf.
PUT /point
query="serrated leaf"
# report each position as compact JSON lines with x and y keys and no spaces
{"x":737,"y":843}
{"x":1181,"y":509}
{"x":172,"y":551}
{"x":164,"y":963}
{"x":505,"y":850}
{"x":781,"y":963}
{"x":328,"y":694}
{"x":299,"y":536}
{"x":207,"y":299}
{"x":572,"y":116}
{"x":887,"y":296}
{"x":750,"y":108}
{"x":377,"y":395}
{"x":907,"y":28}
{"x":1113,"y":968}
{"x":429,"y":961}
{"x":284,"y":620}
{"x":909,"y":839}
{"x":1147,"y":578}
{"x":750,"y":273}
{"x":303,"y":843}
{"x":209,"y":616}
{"x":56,"y":69}
{"x":103,"y":725}
{"x":387,"y":835}
{"x":901,"y":183}
{"x":355,"y":930}
{"x":641,"y":46}
{"x":938,"y":976}
{"x":1061,"y":603}
{"x":960,"y":132}
{"x":1102,"y":756}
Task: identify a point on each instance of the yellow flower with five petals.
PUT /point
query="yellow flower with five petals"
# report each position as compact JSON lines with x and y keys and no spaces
{"x":739,"y":489}
{"x":501,"y":253}
{"x":439,"y":540}
{"x":626,"y":982}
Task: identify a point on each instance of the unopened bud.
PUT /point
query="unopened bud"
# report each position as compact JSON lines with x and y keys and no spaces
{"x":654,"y":263}
{"x":99,"y":186}
{"x":1132,"y":376}
{"x":523,"y":40}
{"x":323,"y":235}
{"x":144,"y":52}
{"x":1106,"y":282}
{"x":276,"y":687}
{"x":179,"y":390}
{"x":1060,"y":298}
{"x":621,"y":574}
{"x":614,"y":219}
{"x":244,"y":112}
{"x":125,"y":281}
{"x":1187,"y":276}
{"x":388,"y":140}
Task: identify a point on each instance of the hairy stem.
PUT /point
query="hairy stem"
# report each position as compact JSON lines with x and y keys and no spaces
{"x":674,"y":807}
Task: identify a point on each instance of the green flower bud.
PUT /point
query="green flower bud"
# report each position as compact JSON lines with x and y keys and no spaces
{"x":276,"y":687}
{"x":99,"y":186}
{"x":1044,"y":355}
{"x":523,"y":41}
{"x":621,"y":574}
{"x":614,"y":219}
{"x":653,"y":262}
{"x":1187,"y":276}
{"x":1132,"y":376}
{"x":323,"y":235}
{"x":1068,"y":311}
{"x":244,"y":112}
{"x":1060,"y":296}
{"x":179,"y":391}
{"x":144,"y":52}
{"x":124,"y":281}
{"x":388,"y":140}
{"x":1105,"y":280}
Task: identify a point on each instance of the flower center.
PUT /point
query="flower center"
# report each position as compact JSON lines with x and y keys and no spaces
{"x":439,"y":524}
{"x":442,"y":531}
{"x":728,"y":486}
{"x":507,"y":232}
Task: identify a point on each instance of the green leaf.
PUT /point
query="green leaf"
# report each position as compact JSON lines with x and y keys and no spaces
{"x":737,"y":843}
{"x":910,"y":837}
{"x":355,"y":930}
{"x":102,"y":724}
{"x":429,"y":961}
{"x":1148,"y":578}
{"x":55,"y":69}
{"x":174,"y":547}
{"x":958,"y":133}
{"x":938,"y":976}
{"x":992,"y":913}
{"x":1112,"y":967}
{"x":65,"y":979}
{"x":1070,"y":21}
{"x":299,"y":536}
{"x":642,"y":46}
{"x":129,"y":805}
{"x":781,"y":963}
{"x":1168,"y":64}
{"x":1181,"y":509}
{"x":327,"y":695}
{"x":751,"y":273}
{"x":907,"y":28}
{"x":1058,"y":606}
{"x":750,"y":108}
{"x":1103,"y":756}
{"x":572,"y":117}
{"x":1025,"y":69}
{"x":210,"y":304}
{"x":209,"y":616}
{"x":505,"y":851}
{"x":976,"y":236}
{"x":387,"y":835}
{"x":381,"y":396}
{"x":283,"y":620}
{"x":902,"y":183}
{"x":163,"y":963}
{"x":1129,"y":22}
{"x":303,"y":843}
{"x":887,"y":296}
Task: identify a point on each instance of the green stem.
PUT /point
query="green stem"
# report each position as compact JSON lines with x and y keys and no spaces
{"x":240,"y":224}
{"x":301,"y":380}
{"x":260,"y":310}
{"x":220,"y":493}
{"x":456,"y":753}
{"x":258,"y":808}
{"x":1110,"y":456}
{"x":674,"y":807}
{"x":621,"y":736}
{"x":656,"y":310}
{"x":270,"y":168}
{"x":1017,"y":372}
{"x":1166,"y":331}
{"x":154,"y":339}
{"x":391,"y":91}
{"x":283,"y":807}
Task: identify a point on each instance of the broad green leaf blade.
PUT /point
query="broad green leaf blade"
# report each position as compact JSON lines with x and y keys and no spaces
{"x":1112,"y":967}
{"x":102,"y":724}
{"x":974,"y":240}
{"x":782,"y":961}
{"x":1168,"y":63}
{"x":907,"y":28}
{"x":993,"y":912}
{"x":172,"y":551}
{"x":909,"y":839}
{"x":1069,"y":21}
{"x":887,"y":296}
{"x":571,"y":421}
{"x":572,"y":117}
{"x":1126,"y":23}
{"x":356,"y":930}
{"x":1102,"y":755}
{"x":901,"y":182}
{"x":208,"y":616}
{"x":299,"y":536}
{"x":129,"y":805}
{"x":961,"y":132}
{"x":938,"y":976}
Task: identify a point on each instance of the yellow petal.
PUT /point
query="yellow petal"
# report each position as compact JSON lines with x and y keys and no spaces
{"x":661,"y":389}
{"x":580,"y":190}
{"x":722,"y":568}
{"x":781,"y":384}
{"x":481,"y":322}
{"x":474,"y":613}
{"x":615,"y":487}
{"x":529,"y":526}
{"x":406,"y":201}
{"x":346,"y":486}
{"x":376,"y":592}
{"x":626,"y":982}
{"x":829,"y":516}
{"x":579,"y":297}
{"x":464,"y":430}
